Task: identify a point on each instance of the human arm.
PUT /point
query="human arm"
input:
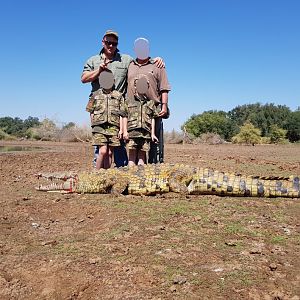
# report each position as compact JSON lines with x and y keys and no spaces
{"x":125,"y":132}
{"x":153,"y":136}
{"x":123,"y":114}
{"x":164,"y":104}
{"x":120,"y":133}
{"x":125,"y":120}
{"x":91,"y":75}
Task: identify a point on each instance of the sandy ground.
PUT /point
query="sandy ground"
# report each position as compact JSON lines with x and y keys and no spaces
{"x":71,"y":246}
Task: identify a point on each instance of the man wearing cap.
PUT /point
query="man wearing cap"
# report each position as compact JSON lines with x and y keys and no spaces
{"x":109,"y":58}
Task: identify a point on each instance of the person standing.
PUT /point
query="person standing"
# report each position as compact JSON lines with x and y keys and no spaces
{"x":111,"y":59}
{"x":139,"y":123}
{"x":158,"y":85}
{"x":106,"y":108}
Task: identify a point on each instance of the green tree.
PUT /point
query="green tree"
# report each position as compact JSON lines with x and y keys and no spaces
{"x":261,"y":116}
{"x":16,"y":126}
{"x":210,"y":122}
{"x":248,"y":134}
{"x":241,"y":113}
{"x":277,"y":134}
{"x":293,"y":126}
{"x":3,"y":135}
{"x":31,"y":122}
{"x":12,"y":126}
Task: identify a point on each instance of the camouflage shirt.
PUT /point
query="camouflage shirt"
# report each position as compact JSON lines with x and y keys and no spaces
{"x":140,"y":114}
{"x":106,"y":109}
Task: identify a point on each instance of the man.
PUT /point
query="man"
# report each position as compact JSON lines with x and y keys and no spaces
{"x":109,"y":58}
{"x":143,"y":67}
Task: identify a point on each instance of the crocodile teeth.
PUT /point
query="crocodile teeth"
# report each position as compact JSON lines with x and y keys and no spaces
{"x":52,"y":186}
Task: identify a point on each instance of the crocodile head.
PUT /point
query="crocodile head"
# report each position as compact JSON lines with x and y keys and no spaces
{"x":57,"y":182}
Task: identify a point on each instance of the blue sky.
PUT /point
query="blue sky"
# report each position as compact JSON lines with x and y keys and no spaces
{"x":218,"y":53}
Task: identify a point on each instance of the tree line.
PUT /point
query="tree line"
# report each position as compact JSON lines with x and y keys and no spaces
{"x":17,"y":127}
{"x":33,"y":128}
{"x":270,"y":122}
{"x":249,"y":123}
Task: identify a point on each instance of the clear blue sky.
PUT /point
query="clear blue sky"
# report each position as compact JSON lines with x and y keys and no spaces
{"x":218,"y":53}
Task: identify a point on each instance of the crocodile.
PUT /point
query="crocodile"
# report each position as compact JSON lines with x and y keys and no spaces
{"x":162,"y":178}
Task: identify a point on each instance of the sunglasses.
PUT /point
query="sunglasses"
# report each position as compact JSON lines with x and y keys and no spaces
{"x":108,"y":43}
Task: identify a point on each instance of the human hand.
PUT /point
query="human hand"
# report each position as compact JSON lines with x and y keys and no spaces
{"x":154,"y":138}
{"x":125,"y":135}
{"x":164,"y":111}
{"x":103,"y":67}
{"x":120,"y":133}
{"x":159,"y":62}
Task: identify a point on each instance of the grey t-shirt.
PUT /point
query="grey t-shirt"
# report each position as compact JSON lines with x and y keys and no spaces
{"x":118,"y":65}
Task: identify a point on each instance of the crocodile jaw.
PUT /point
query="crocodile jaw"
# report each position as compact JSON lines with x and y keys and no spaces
{"x":58,"y":183}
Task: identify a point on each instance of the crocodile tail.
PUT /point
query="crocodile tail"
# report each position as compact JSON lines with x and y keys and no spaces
{"x":207,"y":181}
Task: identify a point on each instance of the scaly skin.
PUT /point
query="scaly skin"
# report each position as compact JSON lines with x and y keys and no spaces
{"x":219,"y":183}
{"x":163,"y":178}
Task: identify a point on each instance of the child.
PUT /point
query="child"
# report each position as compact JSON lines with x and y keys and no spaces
{"x":106,"y":108}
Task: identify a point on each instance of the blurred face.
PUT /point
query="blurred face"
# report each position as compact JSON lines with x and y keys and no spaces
{"x":109,"y":44}
{"x":141,"y":48}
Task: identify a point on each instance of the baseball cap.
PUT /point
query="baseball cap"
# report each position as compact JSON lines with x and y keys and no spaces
{"x":111,"y":32}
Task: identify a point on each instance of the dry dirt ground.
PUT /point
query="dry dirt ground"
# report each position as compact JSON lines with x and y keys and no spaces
{"x":71,"y":246}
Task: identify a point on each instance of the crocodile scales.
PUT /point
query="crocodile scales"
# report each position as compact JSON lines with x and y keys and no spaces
{"x":163,"y":178}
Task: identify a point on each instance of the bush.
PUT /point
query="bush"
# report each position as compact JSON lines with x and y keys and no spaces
{"x":75,"y":134}
{"x":209,"y":138}
{"x":265,"y":140}
{"x":31,"y":134}
{"x":47,"y":131}
{"x":293,"y":126}
{"x":248,"y":134}
{"x":217,"y":122}
{"x":173,"y":137}
{"x":2,"y":134}
{"x":278,"y":135}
